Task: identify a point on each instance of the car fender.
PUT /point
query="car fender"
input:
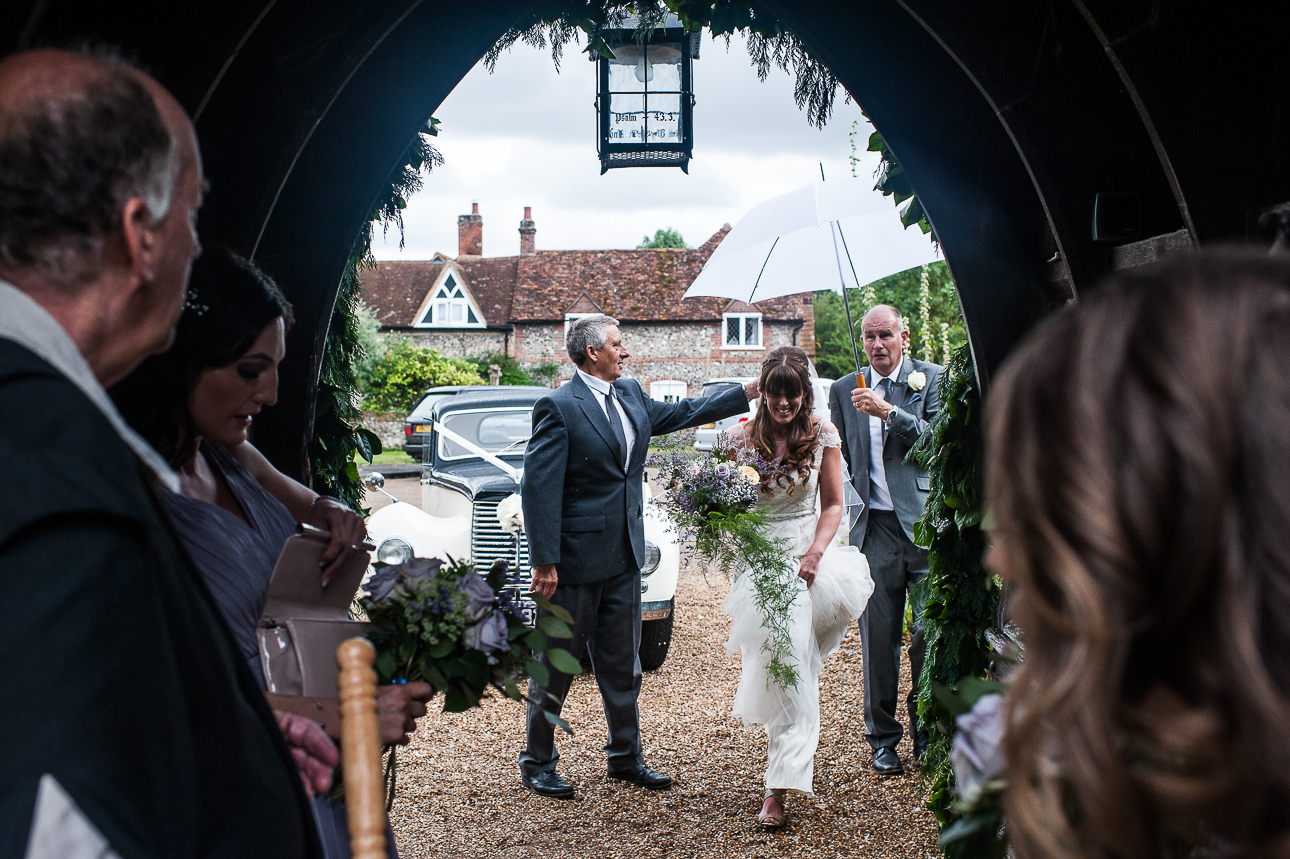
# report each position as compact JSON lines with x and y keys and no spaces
{"x":661,"y":585}
{"x":429,"y":536}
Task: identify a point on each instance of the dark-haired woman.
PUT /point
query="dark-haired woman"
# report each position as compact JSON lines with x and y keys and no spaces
{"x":235,"y":511}
{"x":803,"y":503}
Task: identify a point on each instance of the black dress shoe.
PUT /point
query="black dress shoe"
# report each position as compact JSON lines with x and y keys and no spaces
{"x":548,"y":784}
{"x":887,"y":762}
{"x":920,"y":745}
{"x":644,"y":776}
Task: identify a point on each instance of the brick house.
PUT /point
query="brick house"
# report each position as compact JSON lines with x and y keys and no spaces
{"x":471,"y":304}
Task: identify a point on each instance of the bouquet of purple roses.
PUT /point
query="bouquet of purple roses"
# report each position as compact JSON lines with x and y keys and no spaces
{"x":446,"y":625}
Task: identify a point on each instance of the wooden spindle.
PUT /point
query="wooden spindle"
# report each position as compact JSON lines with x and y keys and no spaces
{"x":360,"y":745}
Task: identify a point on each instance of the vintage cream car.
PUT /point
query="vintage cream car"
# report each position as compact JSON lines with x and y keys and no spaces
{"x":473,"y":463}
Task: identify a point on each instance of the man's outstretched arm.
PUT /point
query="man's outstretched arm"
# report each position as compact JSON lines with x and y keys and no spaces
{"x":670,"y":417}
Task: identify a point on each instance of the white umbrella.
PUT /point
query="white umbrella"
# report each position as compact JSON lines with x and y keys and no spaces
{"x":797,"y":242}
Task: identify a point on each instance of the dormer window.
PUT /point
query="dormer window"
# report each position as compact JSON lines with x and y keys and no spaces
{"x":741,"y":331}
{"x":450,"y":307}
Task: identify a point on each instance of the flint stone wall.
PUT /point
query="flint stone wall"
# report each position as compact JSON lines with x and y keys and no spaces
{"x":457,"y":343}
{"x":686,"y":351}
{"x":388,"y":427}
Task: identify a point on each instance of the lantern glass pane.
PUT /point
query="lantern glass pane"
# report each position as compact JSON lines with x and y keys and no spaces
{"x":665,"y":62}
{"x":626,"y":118}
{"x":664,"y":118}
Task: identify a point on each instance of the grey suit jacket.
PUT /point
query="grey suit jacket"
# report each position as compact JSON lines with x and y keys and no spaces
{"x":907,"y":482}
{"x":583,"y":511}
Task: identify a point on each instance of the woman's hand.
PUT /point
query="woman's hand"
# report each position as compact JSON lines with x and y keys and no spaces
{"x":398,"y":708}
{"x":312,"y":750}
{"x":810,"y":564}
{"x":346,"y":528}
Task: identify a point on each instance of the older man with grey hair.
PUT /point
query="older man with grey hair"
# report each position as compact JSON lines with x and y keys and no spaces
{"x":131,"y":726}
{"x":583,"y":512}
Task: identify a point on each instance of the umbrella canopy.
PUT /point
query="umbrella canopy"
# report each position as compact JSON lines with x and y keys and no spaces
{"x":800,"y":242}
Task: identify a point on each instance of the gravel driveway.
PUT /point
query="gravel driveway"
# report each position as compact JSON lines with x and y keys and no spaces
{"x":459,"y":792}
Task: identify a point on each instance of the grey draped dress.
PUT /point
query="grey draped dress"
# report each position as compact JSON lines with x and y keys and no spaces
{"x":236,"y":560}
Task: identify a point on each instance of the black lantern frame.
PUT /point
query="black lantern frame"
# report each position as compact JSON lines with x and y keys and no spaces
{"x":652,"y":145}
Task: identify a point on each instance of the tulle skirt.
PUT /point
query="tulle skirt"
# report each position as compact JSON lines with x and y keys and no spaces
{"x":818,"y":621}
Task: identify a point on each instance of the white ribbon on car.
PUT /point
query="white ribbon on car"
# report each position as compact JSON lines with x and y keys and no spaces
{"x":511,"y":471}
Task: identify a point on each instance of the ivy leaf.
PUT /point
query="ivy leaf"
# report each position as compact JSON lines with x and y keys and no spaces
{"x":876,"y":143}
{"x":351,"y":471}
{"x":562,"y":660}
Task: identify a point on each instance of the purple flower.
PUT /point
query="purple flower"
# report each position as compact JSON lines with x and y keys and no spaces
{"x":488,"y":635}
{"x":382,"y":582}
{"x":975,"y":754}
{"x":480,"y":598}
{"x":418,"y":571}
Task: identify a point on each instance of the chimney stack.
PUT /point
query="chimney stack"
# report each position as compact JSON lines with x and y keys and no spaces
{"x":528,"y":242}
{"x":470,"y":232}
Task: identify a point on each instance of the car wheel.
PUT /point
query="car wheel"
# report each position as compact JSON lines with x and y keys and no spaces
{"x":656,"y":638}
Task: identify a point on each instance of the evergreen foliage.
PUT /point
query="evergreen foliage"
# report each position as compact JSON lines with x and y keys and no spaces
{"x":903,"y":291}
{"x":557,"y":23}
{"x":403,"y":374}
{"x":961,"y":599}
{"x":668,"y":238}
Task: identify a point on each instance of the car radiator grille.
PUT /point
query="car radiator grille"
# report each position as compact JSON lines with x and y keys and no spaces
{"x":488,"y":542}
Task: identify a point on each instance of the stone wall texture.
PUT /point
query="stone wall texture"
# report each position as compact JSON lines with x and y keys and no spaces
{"x":388,"y":427}
{"x":456,"y":343}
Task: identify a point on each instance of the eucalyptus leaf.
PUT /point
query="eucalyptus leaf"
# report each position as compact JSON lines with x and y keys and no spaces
{"x":546,"y":605}
{"x":554,"y":627}
{"x":557,"y":722}
{"x":442,"y":649}
{"x":535,"y":640}
{"x":538,"y":672}
{"x":562,"y":660}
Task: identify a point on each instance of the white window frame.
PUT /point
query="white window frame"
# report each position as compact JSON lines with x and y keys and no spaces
{"x":760,"y":345}
{"x":661,"y":389}
{"x":574,"y":317}
{"x":457,"y":300}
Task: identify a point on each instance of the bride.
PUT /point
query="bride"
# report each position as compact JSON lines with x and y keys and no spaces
{"x":832,"y":582}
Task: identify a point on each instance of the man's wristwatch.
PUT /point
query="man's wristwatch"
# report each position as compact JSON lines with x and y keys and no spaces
{"x":890,"y":414}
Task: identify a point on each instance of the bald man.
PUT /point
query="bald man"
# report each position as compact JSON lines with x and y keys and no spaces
{"x":130,"y":726}
{"x":879,"y":422}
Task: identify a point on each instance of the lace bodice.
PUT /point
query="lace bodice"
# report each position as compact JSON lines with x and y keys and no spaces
{"x":791,"y":508}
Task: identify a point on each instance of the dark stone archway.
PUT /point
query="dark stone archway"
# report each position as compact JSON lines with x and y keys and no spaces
{"x":1009,"y":116}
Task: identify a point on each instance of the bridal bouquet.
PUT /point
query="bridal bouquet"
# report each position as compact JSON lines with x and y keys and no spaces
{"x":712,"y":499}
{"x":461,"y":632}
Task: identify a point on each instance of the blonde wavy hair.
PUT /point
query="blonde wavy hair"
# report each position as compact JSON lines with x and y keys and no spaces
{"x":1139,"y":475}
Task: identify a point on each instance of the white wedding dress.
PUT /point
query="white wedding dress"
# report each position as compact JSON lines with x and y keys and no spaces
{"x":819,"y":619}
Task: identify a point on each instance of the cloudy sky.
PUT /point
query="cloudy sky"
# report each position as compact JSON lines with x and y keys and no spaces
{"x":525,"y":136}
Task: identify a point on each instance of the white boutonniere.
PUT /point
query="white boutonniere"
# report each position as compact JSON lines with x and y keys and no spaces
{"x":510,"y":514}
{"x":916,"y":381}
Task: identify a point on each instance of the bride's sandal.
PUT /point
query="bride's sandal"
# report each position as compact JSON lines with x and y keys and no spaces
{"x":772,"y":814}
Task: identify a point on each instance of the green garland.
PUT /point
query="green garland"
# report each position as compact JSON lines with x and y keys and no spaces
{"x":337,"y":433}
{"x":960,"y":598}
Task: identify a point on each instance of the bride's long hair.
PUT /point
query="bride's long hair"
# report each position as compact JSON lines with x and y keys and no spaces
{"x":787,"y":370}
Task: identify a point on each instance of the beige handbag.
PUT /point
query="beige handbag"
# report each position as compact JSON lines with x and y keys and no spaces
{"x":303,"y":622}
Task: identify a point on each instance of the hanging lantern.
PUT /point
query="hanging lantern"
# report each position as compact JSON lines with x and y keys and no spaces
{"x":645,"y":99}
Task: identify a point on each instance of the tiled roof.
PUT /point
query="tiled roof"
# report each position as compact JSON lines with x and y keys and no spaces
{"x":643,"y":285}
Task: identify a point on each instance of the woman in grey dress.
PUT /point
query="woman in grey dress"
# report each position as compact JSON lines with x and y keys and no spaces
{"x":235,"y":511}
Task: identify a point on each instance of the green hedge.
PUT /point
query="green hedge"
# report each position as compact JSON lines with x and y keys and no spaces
{"x":403,"y":373}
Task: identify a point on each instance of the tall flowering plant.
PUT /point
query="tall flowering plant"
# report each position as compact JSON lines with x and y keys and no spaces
{"x":446,"y":625}
{"x":711,"y":498}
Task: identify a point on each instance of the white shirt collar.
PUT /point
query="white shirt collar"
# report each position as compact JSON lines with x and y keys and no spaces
{"x":894,"y":373}
{"x":29,"y":325}
{"x":597,"y":384}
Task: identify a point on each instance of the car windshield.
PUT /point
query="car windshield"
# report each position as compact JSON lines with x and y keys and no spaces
{"x":501,"y":431}
{"x":711,"y":389}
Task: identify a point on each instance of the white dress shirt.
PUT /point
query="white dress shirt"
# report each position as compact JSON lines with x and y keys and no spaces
{"x":601,"y":389}
{"x":879,"y":494}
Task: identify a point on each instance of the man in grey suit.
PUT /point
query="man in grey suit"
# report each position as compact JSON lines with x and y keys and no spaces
{"x":879,"y":423}
{"x":583,"y":513}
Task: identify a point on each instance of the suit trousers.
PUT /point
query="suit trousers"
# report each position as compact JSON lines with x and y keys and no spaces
{"x":607,"y":624}
{"x":896,"y":565}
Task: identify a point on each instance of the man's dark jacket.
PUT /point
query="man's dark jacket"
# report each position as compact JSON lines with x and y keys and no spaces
{"x":119,"y":677}
{"x":583,"y":511}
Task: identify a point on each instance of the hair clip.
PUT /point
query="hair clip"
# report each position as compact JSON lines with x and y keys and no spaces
{"x":192,"y":305}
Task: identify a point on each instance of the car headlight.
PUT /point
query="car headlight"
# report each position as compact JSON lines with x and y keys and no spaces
{"x":652,"y":558}
{"x":394,"y":551}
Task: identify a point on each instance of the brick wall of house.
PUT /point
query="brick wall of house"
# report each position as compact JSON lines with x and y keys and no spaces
{"x":458,"y":343}
{"x":655,"y":350}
